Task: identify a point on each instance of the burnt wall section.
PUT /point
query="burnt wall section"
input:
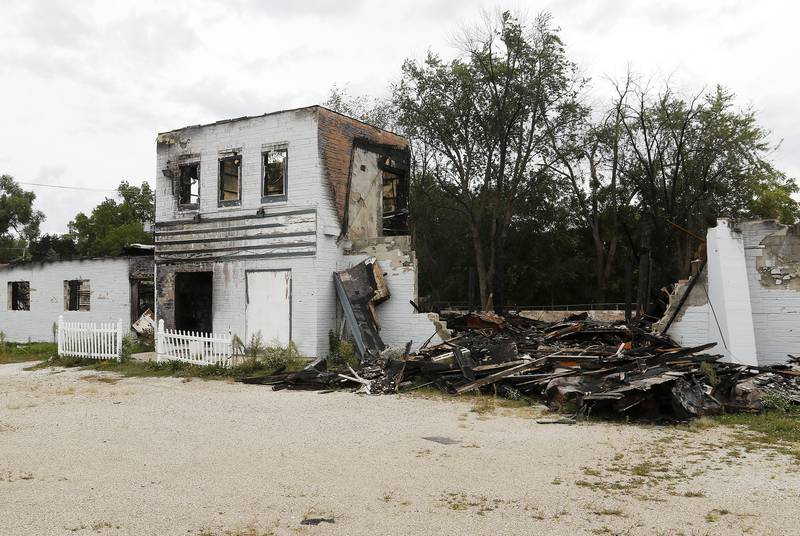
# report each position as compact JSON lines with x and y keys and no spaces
{"x":141,"y":267}
{"x":338,"y":135}
{"x":285,"y":233}
{"x":166,"y":287}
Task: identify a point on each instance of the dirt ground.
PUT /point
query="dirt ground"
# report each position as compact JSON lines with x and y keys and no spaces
{"x":90,"y":453}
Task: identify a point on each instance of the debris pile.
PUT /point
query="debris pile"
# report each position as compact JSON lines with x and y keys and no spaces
{"x":589,"y":367}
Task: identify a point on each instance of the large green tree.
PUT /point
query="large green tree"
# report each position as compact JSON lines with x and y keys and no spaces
{"x":112,"y":225}
{"x":19,"y":221}
{"x":692,"y":159}
{"x":485,"y":119}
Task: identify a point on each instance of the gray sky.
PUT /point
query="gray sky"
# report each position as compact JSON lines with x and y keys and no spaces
{"x":87,"y":85}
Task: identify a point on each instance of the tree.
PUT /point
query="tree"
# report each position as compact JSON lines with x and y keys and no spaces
{"x":772,"y":197}
{"x":592,"y":157}
{"x":487,"y":117}
{"x":112,"y":225}
{"x":19,"y":222}
{"x":141,"y":200}
{"x":692,"y":160}
{"x":373,"y":110}
{"x":52,"y":247}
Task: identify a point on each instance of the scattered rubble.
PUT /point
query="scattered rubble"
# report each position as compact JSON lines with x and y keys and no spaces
{"x":586,"y":367}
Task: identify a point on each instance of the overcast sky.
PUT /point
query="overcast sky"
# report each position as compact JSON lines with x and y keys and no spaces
{"x":85,"y":86}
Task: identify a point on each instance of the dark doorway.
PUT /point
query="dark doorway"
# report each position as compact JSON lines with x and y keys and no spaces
{"x":193,"y":299}
{"x":143,"y":296}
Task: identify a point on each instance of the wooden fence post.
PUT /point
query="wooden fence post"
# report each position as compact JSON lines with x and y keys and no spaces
{"x":119,"y":340}
{"x":160,"y":340}
{"x":230,"y":338}
{"x":60,"y":335}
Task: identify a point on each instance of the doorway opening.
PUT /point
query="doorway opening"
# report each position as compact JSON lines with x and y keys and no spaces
{"x":193,"y":301}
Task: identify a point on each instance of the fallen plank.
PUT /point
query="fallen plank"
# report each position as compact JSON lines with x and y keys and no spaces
{"x":502,"y":374}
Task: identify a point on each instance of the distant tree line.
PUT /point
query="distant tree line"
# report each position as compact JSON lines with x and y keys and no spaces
{"x":523,"y":193}
{"x":111,"y":226}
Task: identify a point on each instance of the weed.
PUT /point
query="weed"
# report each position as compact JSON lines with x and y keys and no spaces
{"x":257,"y":354}
{"x":608,"y":512}
{"x":708,"y":369}
{"x":341,"y":353}
{"x":715,"y":515}
{"x":694,"y":494}
{"x":588,"y":471}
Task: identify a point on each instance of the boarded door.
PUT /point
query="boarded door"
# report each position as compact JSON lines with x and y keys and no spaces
{"x":269,"y":306}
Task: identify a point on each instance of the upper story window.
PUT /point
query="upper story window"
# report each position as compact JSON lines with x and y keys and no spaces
{"x":230,"y":180}
{"x":19,"y":296}
{"x":273,"y":181}
{"x":189,"y":186}
{"x":77,"y":294}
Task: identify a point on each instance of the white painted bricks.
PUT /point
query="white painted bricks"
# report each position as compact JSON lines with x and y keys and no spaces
{"x":729,"y":293}
{"x":109,"y":299}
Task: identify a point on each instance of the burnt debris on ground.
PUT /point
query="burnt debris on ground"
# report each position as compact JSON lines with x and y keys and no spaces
{"x":587,"y":367}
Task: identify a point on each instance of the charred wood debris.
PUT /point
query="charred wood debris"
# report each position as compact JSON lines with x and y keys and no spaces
{"x":604,"y":369}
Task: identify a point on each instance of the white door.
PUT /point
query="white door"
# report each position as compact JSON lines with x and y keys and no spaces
{"x":269,"y":306}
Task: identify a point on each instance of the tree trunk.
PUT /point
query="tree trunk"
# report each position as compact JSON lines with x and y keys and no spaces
{"x":643,"y":296}
{"x":484,"y":283}
{"x":498,"y":286}
{"x":599,"y":265}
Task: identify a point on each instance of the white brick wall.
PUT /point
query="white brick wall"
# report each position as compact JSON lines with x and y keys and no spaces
{"x":297,"y":129}
{"x":109,"y":301}
{"x":776,"y":312}
{"x":771,"y":315}
{"x":694,"y":327}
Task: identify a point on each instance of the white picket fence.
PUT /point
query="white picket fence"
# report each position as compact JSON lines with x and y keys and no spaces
{"x":92,"y":340}
{"x":194,"y":347}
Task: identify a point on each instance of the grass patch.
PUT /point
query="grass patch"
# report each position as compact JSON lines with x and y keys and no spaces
{"x":179,"y":369}
{"x":12,"y":352}
{"x":774,"y":430}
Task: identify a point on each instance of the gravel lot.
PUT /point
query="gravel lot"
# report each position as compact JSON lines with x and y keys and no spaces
{"x":83,"y":453}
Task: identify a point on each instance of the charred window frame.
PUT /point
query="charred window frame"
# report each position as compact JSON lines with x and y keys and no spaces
{"x":77,"y":295}
{"x":274,"y":174}
{"x":395,"y":196}
{"x":189,"y":186}
{"x":19,"y":296}
{"x":230,"y":180}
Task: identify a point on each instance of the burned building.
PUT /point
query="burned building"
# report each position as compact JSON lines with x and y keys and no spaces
{"x":255,"y":214}
{"x":103,"y":289}
{"x":745,"y":296}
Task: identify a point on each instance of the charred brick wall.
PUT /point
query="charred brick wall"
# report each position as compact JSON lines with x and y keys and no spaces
{"x":165,"y":287}
{"x":337,"y":134}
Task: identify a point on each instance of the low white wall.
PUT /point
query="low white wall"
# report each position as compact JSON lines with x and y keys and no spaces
{"x":109,"y":298}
